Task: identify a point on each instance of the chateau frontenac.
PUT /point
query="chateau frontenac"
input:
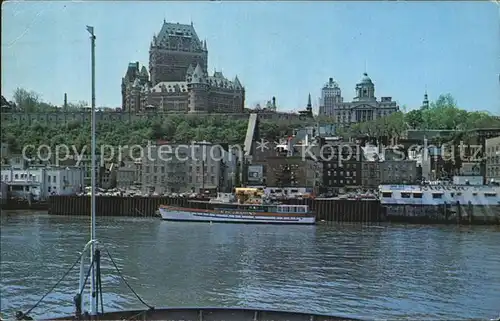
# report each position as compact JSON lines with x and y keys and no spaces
{"x":178,"y":80}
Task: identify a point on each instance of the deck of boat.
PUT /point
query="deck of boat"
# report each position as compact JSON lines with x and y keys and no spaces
{"x":211,"y":314}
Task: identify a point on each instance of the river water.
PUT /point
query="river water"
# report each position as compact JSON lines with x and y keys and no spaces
{"x":389,"y":272}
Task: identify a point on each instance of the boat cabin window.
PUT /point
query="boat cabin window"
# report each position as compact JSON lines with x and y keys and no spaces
{"x":386,"y":194}
{"x":417,"y":195}
{"x":490,"y":194}
{"x":283,"y":209}
{"x":299,"y":209}
{"x":437,"y":195}
{"x":405,"y":195}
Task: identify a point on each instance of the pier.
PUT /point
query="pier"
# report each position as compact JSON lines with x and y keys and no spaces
{"x":330,"y":210}
{"x":112,"y":205}
{"x":326,"y":209}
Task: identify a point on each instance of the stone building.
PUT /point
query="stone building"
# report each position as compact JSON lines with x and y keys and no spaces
{"x":341,"y":166}
{"x":370,"y":173}
{"x":364,"y":107}
{"x":492,"y":153}
{"x":173,"y":168}
{"x":178,"y":80}
{"x":126,"y":175}
{"x":398,"y":172}
{"x":294,"y":171}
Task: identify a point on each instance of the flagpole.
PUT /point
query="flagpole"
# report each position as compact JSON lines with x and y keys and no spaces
{"x":93,"y":179}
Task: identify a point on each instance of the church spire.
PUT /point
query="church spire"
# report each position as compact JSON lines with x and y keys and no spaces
{"x":425,"y":102}
{"x":309,"y":104}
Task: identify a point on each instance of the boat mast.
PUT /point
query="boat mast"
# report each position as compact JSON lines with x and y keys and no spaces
{"x":93,"y":178}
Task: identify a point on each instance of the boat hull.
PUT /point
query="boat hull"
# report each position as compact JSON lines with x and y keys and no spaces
{"x":212,"y":314}
{"x":170,"y":213}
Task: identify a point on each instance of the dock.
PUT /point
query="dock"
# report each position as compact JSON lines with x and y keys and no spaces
{"x":341,"y":210}
{"x":331,"y":210}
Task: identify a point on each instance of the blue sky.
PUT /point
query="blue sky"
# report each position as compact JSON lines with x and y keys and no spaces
{"x":282,"y":49}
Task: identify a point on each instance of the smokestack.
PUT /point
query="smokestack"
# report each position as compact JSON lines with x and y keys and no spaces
{"x":65,"y":101}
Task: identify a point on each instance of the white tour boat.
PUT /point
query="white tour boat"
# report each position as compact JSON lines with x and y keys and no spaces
{"x":240,"y":213}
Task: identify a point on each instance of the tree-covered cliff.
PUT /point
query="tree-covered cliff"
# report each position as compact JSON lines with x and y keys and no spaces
{"x":177,"y":128}
{"x":441,"y":114}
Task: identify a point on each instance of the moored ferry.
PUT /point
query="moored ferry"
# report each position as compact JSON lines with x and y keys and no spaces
{"x":249,"y":207}
{"x":241,"y":213}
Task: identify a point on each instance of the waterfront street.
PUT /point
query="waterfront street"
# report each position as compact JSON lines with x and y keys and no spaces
{"x":371,"y":272}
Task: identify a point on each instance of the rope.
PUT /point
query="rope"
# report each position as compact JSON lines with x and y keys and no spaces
{"x":126,"y":283}
{"x":52,"y":289}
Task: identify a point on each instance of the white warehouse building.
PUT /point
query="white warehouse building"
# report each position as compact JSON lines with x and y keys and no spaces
{"x":41,"y":182}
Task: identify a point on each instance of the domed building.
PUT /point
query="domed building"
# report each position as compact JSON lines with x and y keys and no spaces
{"x":178,"y":80}
{"x":364,"y":106}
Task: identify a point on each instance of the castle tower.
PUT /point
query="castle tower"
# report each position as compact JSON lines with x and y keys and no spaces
{"x":172,"y":51}
{"x":198,"y":91}
{"x":135,"y":96}
{"x":132,"y":74}
{"x":365,"y":89}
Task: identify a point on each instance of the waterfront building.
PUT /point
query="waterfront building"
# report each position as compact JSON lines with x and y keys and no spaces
{"x":341,"y":166}
{"x":371,"y":160}
{"x":178,"y":80}
{"x":41,"y":182}
{"x":128,"y":174}
{"x":108,"y":176}
{"x":199,"y":166}
{"x":294,"y":171}
{"x":364,"y":107}
{"x":398,"y":171}
{"x":492,"y":153}
{"x":370,"y":173}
